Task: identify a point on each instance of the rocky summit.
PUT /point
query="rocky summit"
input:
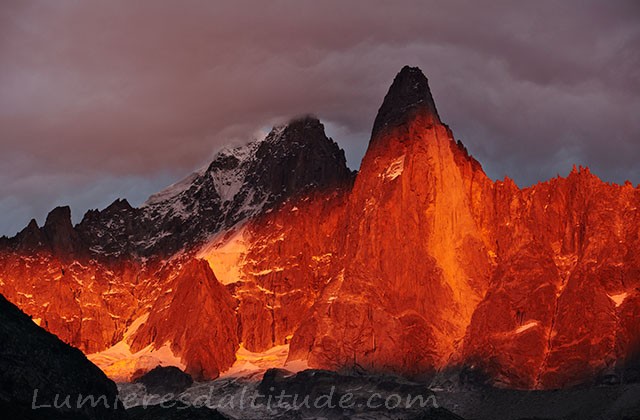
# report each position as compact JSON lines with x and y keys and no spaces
{"x":416,"y":265}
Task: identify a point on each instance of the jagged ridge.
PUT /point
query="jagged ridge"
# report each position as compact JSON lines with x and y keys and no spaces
{"x":419,"y":264}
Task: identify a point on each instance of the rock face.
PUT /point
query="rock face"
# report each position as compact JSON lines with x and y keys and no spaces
{"x":419,"y":262}
{"x":58,"y":230}
{"x":196,"y":315}
{"x":560,"y":301}
{"x":36,"y":367}
{"x":534,"y":286}
{"x":293,"y":256}
{"x":416,"y":259}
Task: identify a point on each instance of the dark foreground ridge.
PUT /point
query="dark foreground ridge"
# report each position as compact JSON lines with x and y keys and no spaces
{"x":36,"y":365}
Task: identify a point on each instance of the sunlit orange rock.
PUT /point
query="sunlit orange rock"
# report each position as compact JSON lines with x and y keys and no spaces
{"x":566,"y":266}
{"x":196,"y":317}
{"x":416,"y":259}
{"x":294,"y":252}
{"x":419,"y":262}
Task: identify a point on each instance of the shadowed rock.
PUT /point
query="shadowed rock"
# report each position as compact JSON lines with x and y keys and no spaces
{"x":165,"y":380}
{"x":36,"y":367}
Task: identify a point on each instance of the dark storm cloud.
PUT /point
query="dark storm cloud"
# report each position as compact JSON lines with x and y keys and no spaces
{"x":107,"y":99}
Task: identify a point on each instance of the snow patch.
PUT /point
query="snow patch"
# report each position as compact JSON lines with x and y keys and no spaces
{"x":119,"y":363}
{"x":250,"y":363}
{"x":174,"y":190}
{"x":267,"y":271}
{"x":225,"y":254}
{"x":527,"y":326}
{"x":395,"y":169}
{"x":229,"y":182}
{"x":619,"y":298}
{"x":323,"y":259}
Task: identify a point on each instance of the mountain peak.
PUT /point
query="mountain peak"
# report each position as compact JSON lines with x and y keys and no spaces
{"x":59,"y":231}
{"x":31,"y":237}
{"x":308,"y":120}
{"x":408,"y":94}
{"x":60,"y":216}
{"x":296,"y":156}
{"x":299,"y":128}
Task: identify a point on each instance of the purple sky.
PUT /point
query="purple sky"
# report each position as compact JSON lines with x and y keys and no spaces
{"x":107,"y":99}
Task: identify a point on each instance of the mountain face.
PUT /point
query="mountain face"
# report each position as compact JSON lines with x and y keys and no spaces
{"x":117,"y":284}
{"x":197,"y":317}
{"x":418,"y":263}
{"x":415,"y":262}
{"x":238,"y":184}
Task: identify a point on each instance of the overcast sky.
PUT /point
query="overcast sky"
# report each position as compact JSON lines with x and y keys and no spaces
{"x":107,"y":99}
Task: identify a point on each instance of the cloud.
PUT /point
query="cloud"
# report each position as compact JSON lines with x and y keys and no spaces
{"x":107,"y":99}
